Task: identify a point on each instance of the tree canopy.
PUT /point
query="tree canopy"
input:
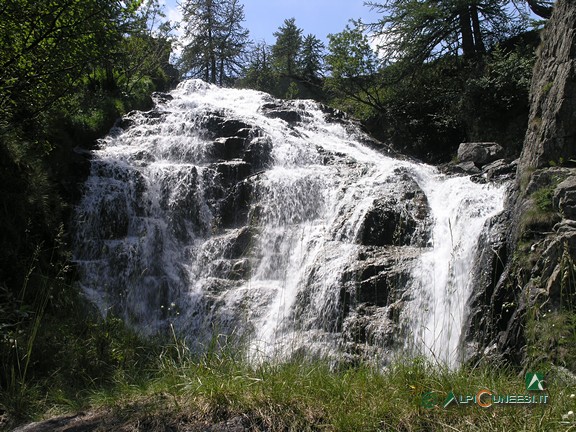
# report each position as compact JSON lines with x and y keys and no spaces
{"x":423,"y":30}
{"x":287,"y":47}
{"x":215,"y":39}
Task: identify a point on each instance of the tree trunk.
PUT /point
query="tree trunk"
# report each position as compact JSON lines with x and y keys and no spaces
{"x":466,"y":31}
{"x":478,"y":39}
{"x":540,"y":9}
{"x":221,"y":71}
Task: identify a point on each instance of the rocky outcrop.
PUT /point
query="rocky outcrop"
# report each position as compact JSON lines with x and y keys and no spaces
{"x":551,"y":131}
{"x":565,"y":198}
{"x":482,"y":160}
{"x":532,"y":262}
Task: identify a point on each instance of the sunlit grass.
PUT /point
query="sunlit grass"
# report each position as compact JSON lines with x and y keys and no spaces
{"x":149,"y":386}
{"x":310,"y":395}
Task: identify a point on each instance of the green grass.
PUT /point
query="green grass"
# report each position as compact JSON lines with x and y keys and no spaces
{"x":310,"y":395}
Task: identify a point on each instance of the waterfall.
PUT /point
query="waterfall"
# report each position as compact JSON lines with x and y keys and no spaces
{"x":279,"y":224}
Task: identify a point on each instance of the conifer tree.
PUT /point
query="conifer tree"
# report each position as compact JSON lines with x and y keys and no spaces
{"x":311,"y":58}
{"x":287,"y":47}
{"x":419,"y":31}
{"x":215,"y":39}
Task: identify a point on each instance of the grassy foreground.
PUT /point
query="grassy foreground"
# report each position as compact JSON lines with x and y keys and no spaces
{"x":181,"y":392}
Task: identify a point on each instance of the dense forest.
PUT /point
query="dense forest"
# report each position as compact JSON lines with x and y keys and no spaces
{"x":425,"y":77}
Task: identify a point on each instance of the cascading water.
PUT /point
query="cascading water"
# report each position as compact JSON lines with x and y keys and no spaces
{"x":226,"y":211}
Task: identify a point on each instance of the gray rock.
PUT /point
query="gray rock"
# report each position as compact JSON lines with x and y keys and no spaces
{"x":259,"y":153}
{"x":281,"y":111}
{"x":565,"y":225}
{"x":399,"y":218}
{"x":236,"y":424}
{"x":220,"y":127}
{"x":228,"y":148}
{"x":552,"y":121}
{"x":381,"y":274}
{"x":480,"y":153}
{"x":555,"y":259}
{"x":466,"y":168}
{"x":161,"y":98}
{"x":499,"y":169}
{"x":544,"y":178}
{"x":565,"y":198}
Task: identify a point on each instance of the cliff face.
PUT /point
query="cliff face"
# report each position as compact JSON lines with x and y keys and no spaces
{"x":552,"y":125}
{"x":524,"y":308}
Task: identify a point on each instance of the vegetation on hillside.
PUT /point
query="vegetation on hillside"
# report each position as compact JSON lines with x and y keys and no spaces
{"x":68,"y":70}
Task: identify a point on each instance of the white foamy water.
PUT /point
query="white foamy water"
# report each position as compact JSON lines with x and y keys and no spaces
{"x":153,"y":245}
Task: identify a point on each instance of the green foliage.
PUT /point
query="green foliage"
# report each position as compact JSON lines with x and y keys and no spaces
{"x":495,"y":103}
{"x":216,"y":40}
{"x":420,"y":31}
{"x":259,"y":74}
{"x":287,"y":47}
{"x":504,"y":84}
{"x":58,"y":348}
{"x":353,"y":68}
{"x":543,"y":198}
{"x":552,"y":339}
{"x":292,"y":92}
{"x":68,"y":69}
{"x":542,"y":216}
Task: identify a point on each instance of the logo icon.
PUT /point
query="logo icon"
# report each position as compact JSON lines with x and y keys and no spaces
{"x":534,"y":381}
{"x":429,"y":400}
{"x":449,"y":399}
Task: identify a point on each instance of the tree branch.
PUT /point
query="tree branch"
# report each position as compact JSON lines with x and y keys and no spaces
{"x":540,"y":9}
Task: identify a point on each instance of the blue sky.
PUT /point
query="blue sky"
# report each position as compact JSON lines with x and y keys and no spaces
{"x":318,"y":17}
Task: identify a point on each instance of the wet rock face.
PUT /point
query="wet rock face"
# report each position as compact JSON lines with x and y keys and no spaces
{"x":393,"y":231}
{"x":393,"y":235}
{"x":381,"y":274}
{"x":282,"y":110}
{"x":486,"y":302}
{"x":399,"y":218}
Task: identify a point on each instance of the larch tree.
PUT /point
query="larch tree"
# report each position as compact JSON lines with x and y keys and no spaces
{"x":215,"y":39}
{"x":422,"y":30}
{"x":259,"y":74}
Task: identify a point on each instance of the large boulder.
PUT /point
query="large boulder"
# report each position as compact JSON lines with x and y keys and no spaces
{"x":480,"y":153}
